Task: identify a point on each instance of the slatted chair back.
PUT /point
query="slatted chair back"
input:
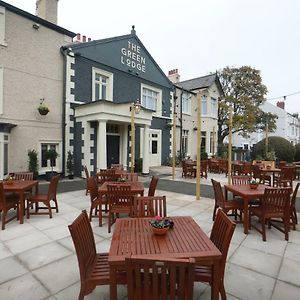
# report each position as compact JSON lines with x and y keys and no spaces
{"x":107,"y":175}
{"x":130,"y":176}
{"x":240,"y":179}
{"x":282,"y":164}
{"x":84,"y":242}
{"x":152,"y":186}
{"x":276,"y":202}
{"x":160,"y":279}
{"x":117,"y":166}
{"x":150,"y":206}
{"x":287,"y":174}
{"x":219,"y":196}
{"x":93,"y":188}
{"x":52,"y":189}
{"x":23,"y":176}
{"x":256,"y":171}
{"x":120,"y":195}
{"x":221,"y":235}
{"x":246,"y":168}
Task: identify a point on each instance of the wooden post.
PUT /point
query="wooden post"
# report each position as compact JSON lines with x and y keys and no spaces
{"x":132,"y":133}
{"x":267,"y":137}
{"x":174,"y":139}
{"x":199,"y":137}
{"x":230,"y":145}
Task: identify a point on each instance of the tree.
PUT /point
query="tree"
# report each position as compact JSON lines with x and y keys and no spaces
{"x":244,"y":91}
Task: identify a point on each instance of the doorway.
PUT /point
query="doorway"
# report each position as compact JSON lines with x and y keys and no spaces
{"x":113,"y":150}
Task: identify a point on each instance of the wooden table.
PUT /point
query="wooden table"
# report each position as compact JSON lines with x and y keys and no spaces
{"x":133,"y":236}
{"x":136,"y":187}
{"x":20,"y":187}
{"x":247,"y":194}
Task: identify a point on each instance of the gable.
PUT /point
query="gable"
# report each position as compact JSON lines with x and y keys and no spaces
{"x":126,"y":54}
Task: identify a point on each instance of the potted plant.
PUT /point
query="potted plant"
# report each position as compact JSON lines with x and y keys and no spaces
{"x":33,"y":162}
{"x":51,"y":155}
{"x":70,"y":164}
{"x":42,"y":108}
{"x":254,"y":183}
{"x":160,"y":226}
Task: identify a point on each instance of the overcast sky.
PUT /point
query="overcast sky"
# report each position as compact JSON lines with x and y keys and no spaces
{"x":200,"y":36}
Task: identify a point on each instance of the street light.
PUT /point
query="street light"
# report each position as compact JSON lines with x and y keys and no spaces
{"x":135,"y":108}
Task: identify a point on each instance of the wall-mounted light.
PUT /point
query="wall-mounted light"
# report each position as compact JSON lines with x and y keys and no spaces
{"x":36,"y":26}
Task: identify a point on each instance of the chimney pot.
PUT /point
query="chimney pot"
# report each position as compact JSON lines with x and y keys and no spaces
{"x":78,"y":37}
{"x":83,"y":38}
{"x":89,"y":39}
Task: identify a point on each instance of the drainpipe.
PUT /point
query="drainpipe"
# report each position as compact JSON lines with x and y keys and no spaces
{"x":181,"y":148}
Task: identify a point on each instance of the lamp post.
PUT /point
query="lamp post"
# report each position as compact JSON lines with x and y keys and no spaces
{"x":135,"y":108}
{"x":174,"y":138}
{"x":230,"y":144}
{"x":199,"y":138}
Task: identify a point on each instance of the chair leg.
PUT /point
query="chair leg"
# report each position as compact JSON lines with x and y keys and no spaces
{"x":222,"y":291}
{"x":100,"y":215}
{"x":286,"y":222}
{"x":3,"y":217}
{"x":263,"y":226}
{"x":214,"y":213}
{"x":91,"y":212}
{"x":27,"y":209}
{"x":50,"y":211}
{"x":56,"y":205}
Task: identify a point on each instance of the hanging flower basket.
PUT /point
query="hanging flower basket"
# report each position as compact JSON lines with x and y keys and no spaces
{"x":43,"y":110}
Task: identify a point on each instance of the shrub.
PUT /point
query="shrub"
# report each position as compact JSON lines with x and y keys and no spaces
{"x":138,"y":166}
{"x":33,"y":162}
{"x":284,"y":150}
{"x":297,"y":152}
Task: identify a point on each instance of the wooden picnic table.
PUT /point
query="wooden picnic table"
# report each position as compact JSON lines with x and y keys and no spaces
{"x":133,"y":236}
{"x":20,"y":187}
{"x":247,"y":194}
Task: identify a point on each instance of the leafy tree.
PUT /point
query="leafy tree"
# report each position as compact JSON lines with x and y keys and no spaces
{"x":244,"y":91}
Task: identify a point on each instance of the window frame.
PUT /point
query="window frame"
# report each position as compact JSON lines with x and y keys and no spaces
{"x":158,"y":109}
{"x":214,"y":108}
{"x":1,"y":89}
{"x":109,"y":92}
{"x":186,"y":98}
{"x":203,"y":104}
{"x":2,"y":26}
{"x":58,"y":165}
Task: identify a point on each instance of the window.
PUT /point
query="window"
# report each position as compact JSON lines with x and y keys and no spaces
{"x":1,"y":90}
{"x":204,"y":105}
{"x":214,"y":108}
{"x":203,"y":141}
{"x":4,"y":148}
{"x":154,"y":143}
{"x":185,"y":103}
{"x":2,"y":26}
{"x":152,"y":99}
{"x":185,"y":136}
{"x":102,"y":85}
{"x":45,"y":163}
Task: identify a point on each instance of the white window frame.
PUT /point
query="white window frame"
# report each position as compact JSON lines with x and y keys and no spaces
{"x":186,"y":103}
{"x":1,"y":89}
{"x":109,"y":96}
{"x":2,"y":26}
{"x":58,"y":167}
{"x":214,"y":108}
{"x":2,"y":142}
{"x":185,"y":141}
{"x":158,"y":108}
{"x":204,"y":104}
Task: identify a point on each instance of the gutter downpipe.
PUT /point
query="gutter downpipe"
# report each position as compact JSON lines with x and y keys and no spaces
{"x":181,"y":154}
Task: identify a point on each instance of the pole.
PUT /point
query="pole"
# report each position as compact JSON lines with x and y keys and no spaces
{"x":174,"y":139}
{"x":198,"y":146}
{"x":213,"y":141}
{"x":132,"y":133}
{"x":267,"y":137}
{"x":229,"y":145}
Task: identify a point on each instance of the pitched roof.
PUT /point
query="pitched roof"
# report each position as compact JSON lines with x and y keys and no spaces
{"x":37,"y":19}
{"x":199,"y":83}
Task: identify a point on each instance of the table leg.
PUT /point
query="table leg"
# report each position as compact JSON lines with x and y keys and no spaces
{"x":246,"y":216}
{"x":113,"y":283}
{"x":215,"y":281}
{"x":22,"y":207}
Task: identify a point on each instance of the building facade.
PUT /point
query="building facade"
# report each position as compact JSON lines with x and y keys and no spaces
{"x":210,"y":90}
{"x":103,"y":78}
{"x":31,"y":69}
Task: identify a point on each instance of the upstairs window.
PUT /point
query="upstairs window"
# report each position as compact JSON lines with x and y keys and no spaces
{"x":2,"y":26}
{"x":152,"y":99}
{"x":1,"y":89}
{"x":186,"y":107}
{"x":102,"y":85}
{"x":214,"y":107}
{"x":204,"y":105}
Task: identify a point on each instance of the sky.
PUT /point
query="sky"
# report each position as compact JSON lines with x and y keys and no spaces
{"x":198,"y":37}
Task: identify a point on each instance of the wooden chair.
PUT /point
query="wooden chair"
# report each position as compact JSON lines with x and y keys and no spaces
{"x":87,"y":176}
{"x":233,"y":205}
{"x":220,"y":235}
{"x":150,"y":206}
{"x":163,"y":278}
{"x":23,"y":176}
{"x":7,"y":202}
{"x":45,"y":199}
{"x":187,"y":168}
{"x":93,"y":267}
{"x":96,"y":201}
{"x":293,"y":213}
{"x":204,"y":168}
{"x":257,"y":174}
{"x":120,"y":201}
{"x":152,"y":186}
{"x":274,"y":204}
{"x":107,"y":175}
{"x":117,"y":166}
{"x":246,"y":168}
{"x":286,"y":177}
{"x":130,"y":176}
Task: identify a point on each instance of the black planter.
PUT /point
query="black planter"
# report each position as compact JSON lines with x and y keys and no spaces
{"x":71,"y":176}
{"x":50,"y":174}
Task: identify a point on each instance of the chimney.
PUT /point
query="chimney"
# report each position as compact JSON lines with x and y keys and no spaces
{"x":83,"y":38}
{"x":47,"y":9}
{"x":280,"y":104}
{"x":174,"y":76}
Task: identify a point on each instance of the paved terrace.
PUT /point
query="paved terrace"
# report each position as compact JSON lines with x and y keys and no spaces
{"x":37,"y":259}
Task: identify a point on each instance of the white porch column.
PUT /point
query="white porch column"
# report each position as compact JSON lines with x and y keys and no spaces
{"x":101,"y":145}
{"x":146,"y":154}
{"x":208,"y":150}
{"x":124,"y":154}
{"x":86,"y":148}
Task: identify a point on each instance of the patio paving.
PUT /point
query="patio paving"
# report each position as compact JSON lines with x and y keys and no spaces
{"x":38,"y":261}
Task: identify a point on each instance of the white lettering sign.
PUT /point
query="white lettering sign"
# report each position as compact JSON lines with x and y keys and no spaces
{"x":131,"y":57}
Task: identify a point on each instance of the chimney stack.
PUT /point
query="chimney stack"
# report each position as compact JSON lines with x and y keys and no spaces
{"x":174,"y":76}
{"x":47,"y":9}
{"x":280,"y":104}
